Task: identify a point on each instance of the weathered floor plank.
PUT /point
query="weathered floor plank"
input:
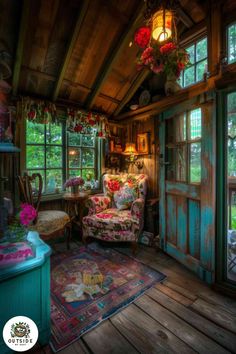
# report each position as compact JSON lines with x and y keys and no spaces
{"x":146,"y":334}
{"x":215,"y":314}
{"x":195,"y":339}
{"x":75,"y":348}
{"x":213,"y":331}
{"x":105,"y":339}
{"x":180,"y":290}
{"x":182,"y":277}
{"x":174,"y":295}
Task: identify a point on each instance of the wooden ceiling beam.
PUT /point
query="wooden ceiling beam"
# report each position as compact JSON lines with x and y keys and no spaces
{"x":70,"y":47}
{"x":115,"y":53}
{"x":20,"y":47}
{"x":184,"y":17}
{"x":133,"y":88}
{"x":48,"y":77}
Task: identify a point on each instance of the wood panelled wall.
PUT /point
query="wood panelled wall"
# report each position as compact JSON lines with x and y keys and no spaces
{"x":150,"y":162}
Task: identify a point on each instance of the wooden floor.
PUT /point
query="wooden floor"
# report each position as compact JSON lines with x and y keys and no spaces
{"x":181,"y":315}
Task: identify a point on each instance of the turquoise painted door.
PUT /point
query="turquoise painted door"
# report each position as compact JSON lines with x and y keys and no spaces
{"x":187,"y":186}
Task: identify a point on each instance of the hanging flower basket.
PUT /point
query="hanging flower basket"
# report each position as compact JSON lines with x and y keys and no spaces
{"x":168,"y":57}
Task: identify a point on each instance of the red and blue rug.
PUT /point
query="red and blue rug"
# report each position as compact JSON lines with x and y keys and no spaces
{"x":90,"y":284}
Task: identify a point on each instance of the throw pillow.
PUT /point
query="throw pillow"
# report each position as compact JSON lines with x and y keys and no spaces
{"x":124,"y":198}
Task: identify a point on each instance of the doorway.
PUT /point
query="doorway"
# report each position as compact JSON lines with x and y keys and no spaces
{"x":187,"y":186}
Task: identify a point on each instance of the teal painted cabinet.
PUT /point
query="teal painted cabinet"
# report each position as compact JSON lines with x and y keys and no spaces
{"x":187,"y":185}
{"x":25,"y":291}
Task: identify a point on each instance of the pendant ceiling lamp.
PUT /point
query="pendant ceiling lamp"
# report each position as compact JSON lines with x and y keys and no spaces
{"x":162,"y":25}
{"x":160,"y":14}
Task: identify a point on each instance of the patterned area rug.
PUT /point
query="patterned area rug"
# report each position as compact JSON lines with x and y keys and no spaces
{"x":89,"y":285}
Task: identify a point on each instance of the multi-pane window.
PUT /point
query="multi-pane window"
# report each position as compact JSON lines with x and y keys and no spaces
{"x":231,"y":40}
{"x":44,"y":153}
{"x":184,"y":147}
{"x":81,"y":156}
{"x":198,"y":63}
{"x":58,"y":155}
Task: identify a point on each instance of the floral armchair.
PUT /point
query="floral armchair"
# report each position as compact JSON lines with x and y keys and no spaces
{"x":118,"y":215}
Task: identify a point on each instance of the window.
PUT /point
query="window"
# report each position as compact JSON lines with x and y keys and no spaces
{"x":231,"y":40}
{"x":184,"y":147}
{"x":198,"y":60}
{"x":81,"y":155}
{"x":58,"y":155}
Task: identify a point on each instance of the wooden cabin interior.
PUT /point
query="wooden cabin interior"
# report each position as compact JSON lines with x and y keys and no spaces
{"x":118,"y":176}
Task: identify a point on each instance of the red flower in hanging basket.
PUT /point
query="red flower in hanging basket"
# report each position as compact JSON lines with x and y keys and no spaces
{"x":142,"y":36}
{"x":147,"y":56}
{"x":167,"y":48}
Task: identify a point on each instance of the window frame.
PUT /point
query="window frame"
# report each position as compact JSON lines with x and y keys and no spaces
{"x":190,"y":44}
{"x":227,"y":42}
{"x":81,"y":148}
{"x":185,"y":143}
{"x":98,"y":147}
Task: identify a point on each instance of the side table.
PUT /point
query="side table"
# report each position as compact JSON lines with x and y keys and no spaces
{"x":74,"y":206}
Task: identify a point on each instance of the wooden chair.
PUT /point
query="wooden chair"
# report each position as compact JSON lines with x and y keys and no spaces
{"x":49,"y":223}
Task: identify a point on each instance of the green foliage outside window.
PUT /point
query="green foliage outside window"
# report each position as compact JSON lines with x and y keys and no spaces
{"x":57,"y":157}
{"x":231,"y":114}
{"x":198,"y":60}
{"x":231,"y":37}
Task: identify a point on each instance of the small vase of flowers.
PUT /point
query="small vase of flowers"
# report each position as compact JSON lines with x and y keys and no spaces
{"x":18,"y":229}
{"x":74,"y":183}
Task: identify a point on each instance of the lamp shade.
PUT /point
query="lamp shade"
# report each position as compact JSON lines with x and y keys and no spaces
{"x":130,"y":149}
{"x":161,"y":25}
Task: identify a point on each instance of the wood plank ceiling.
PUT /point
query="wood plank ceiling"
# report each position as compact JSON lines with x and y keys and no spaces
{"x":77,"y":52}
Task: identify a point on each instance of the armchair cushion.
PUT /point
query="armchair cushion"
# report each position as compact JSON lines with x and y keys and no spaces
{"x":112,"y":225}
{"x":50,"y":221}
{"x":124,"y":197}
{"x":97,"y":204}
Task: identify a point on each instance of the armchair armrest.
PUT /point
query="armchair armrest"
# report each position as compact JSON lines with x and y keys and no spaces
{"x":137,"y":211}
{"x":96,"y":204}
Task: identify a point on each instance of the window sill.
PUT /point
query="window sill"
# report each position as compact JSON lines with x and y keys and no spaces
{"x":58,"y":196}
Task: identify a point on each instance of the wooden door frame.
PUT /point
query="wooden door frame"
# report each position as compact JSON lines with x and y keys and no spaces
{"x":222,"y":283}
{"x":206,"y":266}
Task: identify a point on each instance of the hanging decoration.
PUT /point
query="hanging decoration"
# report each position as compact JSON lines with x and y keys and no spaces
{"x":77,"y":121}
{"x":36,"y":111}
{"x":159,"y":49}
{"x":83,"y":122}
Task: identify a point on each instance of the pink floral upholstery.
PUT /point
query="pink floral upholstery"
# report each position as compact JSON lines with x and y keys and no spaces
{"x":105,"y":221}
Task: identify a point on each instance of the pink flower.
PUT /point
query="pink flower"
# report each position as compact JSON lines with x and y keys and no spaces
{"x":167,"y":48}
{"x":147,"y":56}
{"x":27,"y":214}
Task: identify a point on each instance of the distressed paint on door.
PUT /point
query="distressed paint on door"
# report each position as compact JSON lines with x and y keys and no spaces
{"x":187,"y":211}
